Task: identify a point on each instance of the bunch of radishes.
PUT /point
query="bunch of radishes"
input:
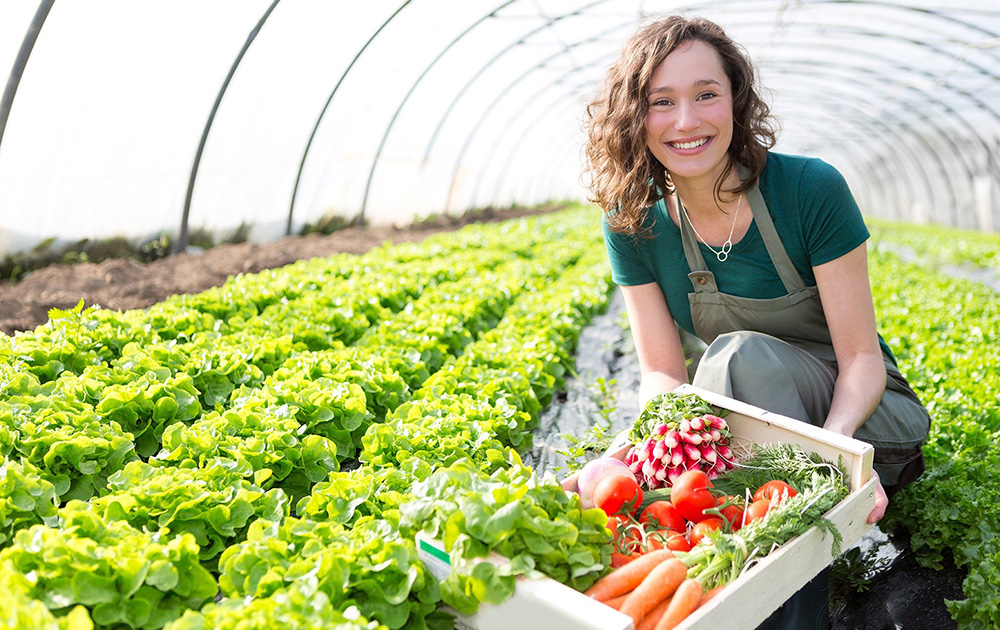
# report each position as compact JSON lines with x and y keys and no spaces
{"x":676,"y":446}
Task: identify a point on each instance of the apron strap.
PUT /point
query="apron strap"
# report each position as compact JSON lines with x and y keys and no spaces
{"x":701,"y":278}
{"x":779,"y":257}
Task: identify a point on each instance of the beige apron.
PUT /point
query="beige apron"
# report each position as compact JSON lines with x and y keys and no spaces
{"x":898,"y":427}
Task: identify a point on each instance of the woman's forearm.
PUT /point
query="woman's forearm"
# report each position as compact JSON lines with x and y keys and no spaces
{"x":857,"y":393}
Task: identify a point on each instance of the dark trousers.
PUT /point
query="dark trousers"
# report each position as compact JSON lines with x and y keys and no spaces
{"x":808,"y":609}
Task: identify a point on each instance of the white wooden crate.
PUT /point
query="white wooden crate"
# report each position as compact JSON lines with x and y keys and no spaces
{"x":750,"y":599}
{"x":544,"y":604}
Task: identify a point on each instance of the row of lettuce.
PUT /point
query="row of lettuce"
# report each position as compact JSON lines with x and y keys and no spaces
{"x":944,"y":332}
{"x":264,"y":453}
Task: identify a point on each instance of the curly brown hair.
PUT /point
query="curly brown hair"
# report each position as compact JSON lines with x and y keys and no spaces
{"x":626,"y":179}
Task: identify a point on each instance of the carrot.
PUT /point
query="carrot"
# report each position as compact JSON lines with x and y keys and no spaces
{"x":709,"y":594}
{"x":616,"y":602}
{"x":625,"y":579}
{"x":653,"y":617}
{"x":660,"y":584}
{"x":682,"y":604}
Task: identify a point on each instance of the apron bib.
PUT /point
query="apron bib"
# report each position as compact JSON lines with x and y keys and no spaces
{"x":796,"y":318}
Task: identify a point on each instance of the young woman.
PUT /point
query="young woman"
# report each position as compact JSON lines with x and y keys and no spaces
{"x":761,"y":255}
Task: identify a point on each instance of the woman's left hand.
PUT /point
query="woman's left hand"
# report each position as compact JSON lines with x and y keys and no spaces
{"x":881,"y":501}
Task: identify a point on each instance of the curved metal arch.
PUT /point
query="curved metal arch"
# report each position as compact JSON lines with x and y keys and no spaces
{"x":866,"y":33}
{"x":546,"y":112}
{"x":862,"y":71}
{"x":591,"y":39}
{"x":911,"y":137}
{"x":518,"y":42}
{"x":928,"y":121}
{"x":893,"y":135}
{"x":895,"y":168}
{"x":326,"y":106}
{"x":892,"y":62}
{"x":182,"y":239}
{"x":406,"y":97}
{"x":936,"y":15}
{"x":956,"y":116}
{"x":515,"y":146}
{"x":990,"y":74}
{"x":561,"y":101}
{"x":940,"y":15}
{"x":17,"y":70}
{"x":869,"y":33}
{"x":901,"y":176}
{"x":489,"y":108}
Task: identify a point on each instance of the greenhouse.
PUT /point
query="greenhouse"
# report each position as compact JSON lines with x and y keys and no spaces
{"x":312,"y":317}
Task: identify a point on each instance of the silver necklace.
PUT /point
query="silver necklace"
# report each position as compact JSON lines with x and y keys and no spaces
{"x":727,"y":247}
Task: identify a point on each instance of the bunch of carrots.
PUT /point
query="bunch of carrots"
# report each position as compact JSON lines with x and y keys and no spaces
{"x":654,"y":590}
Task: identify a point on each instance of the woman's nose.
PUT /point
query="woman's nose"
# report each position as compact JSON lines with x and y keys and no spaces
{"x":687,"y":117}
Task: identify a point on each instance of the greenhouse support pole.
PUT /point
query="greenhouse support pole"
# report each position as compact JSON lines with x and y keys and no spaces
{"x":319,"y":119}
{"x":182,"y":239}
{"x":30,"y":37}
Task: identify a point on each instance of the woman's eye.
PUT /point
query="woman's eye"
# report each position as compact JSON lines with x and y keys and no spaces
{"x":706,"y":96}
{"x":660,"y":102}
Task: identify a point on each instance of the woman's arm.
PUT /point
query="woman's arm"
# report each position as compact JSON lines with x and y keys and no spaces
{"x":657,"y":342}
{"x":847,"y":303}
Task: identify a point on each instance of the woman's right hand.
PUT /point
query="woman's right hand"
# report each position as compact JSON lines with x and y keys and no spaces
{"x":881,"y":501}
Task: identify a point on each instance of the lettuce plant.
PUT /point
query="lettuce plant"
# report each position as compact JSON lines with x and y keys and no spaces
{"x":122,"y":575}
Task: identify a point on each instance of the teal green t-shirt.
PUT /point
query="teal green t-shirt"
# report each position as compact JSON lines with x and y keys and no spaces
{"x":813,"y":211}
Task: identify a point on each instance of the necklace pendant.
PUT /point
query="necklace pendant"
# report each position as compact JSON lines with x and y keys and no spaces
{"x":723,"y":253}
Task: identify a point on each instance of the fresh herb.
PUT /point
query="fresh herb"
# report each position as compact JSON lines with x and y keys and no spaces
{"x":786,"y":462}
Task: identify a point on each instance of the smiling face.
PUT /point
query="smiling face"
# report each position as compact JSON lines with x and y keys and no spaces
{"x":689,"y":122}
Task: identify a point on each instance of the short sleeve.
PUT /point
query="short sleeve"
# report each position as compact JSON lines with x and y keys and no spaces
{"x":627,"y":265}
{"x":832,"y":225}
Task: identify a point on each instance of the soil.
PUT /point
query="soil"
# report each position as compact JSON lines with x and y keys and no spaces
{"x":122,"y":284}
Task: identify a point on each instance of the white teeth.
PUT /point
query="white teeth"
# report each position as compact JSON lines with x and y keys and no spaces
{"x":689,"y":145}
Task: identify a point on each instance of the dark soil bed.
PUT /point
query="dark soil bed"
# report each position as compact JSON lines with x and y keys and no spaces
{"x":122,"y":284}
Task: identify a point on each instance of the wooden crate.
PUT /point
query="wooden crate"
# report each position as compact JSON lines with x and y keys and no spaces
{"x":757,"y":593}
{"x":750,"y":599}
{"x":544,"y":604}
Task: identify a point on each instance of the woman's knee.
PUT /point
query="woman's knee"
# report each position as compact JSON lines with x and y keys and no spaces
{"x":743,"y":355}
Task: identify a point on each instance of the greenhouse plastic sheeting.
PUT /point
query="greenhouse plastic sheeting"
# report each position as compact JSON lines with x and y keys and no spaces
{"x":146,"y":118}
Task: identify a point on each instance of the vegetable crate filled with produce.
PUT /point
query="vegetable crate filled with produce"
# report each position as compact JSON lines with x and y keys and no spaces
{"x":720,"y":511}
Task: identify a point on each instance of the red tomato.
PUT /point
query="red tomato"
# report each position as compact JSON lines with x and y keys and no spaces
{"x":617,"y":493}
{"x":662,"y":515}
{"x":677,"y":542}
{"x":624,"y":534}
{"x":619,"y":560}
{"x":690,"y":495}
{"x":701,"y":528}
{"x":758,"y":510}
{"x":774,"y":490}
{"x":733,"y":513}
{"x":616,"y":523}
